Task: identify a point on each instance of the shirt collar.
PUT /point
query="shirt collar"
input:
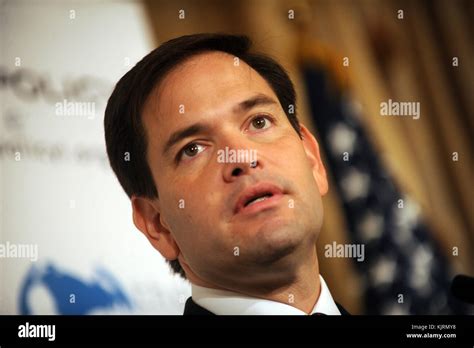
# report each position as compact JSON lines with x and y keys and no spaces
{"x":223,"y":302}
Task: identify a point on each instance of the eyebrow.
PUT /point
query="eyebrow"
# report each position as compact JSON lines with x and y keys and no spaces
{"x":257,"y":100}
{"x":197,"y":128}
{"x":184,"y":133}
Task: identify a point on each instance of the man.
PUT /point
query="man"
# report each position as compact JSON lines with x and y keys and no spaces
{"x":224,"y":181}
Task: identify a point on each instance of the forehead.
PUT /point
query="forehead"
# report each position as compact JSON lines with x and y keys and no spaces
{"x":204,"y":86}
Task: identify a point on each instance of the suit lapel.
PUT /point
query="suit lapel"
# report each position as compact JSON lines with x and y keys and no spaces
{"x":192,"y":308}
{"x":342,"y":309}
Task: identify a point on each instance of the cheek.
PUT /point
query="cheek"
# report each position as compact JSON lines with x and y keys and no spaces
{"x":187,"y":212}
{"x":299,"y":170}
{"x":291,"y":156}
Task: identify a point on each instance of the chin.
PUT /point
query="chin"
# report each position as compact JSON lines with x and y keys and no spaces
{"x":273,"y":244}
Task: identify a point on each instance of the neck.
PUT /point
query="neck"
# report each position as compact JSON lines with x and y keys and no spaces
{"x":302,"y":292}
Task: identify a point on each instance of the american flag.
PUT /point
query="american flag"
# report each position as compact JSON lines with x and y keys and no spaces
{"x":401,"y":256}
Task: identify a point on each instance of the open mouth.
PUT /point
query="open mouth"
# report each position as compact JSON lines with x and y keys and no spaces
{"x":258,"y":198}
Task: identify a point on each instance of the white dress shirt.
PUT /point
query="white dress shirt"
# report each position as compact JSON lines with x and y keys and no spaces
{"x":223,"y":302}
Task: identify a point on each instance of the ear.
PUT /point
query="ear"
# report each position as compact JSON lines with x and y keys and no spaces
{"x":147,"y":218}
{"x":312,"y":152}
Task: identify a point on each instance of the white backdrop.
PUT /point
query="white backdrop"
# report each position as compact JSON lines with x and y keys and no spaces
{"x":57,"y":191}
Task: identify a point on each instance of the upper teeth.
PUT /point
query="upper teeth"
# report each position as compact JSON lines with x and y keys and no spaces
{"x":259,"y":199}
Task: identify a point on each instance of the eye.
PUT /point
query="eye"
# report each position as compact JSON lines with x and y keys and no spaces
{"x":190,"y":150}
{"x":261,"y":122}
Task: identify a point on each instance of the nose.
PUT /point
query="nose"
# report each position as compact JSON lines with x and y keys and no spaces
{"x":233,"y":168}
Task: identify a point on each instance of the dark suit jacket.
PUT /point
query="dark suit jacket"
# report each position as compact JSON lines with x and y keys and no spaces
{"x":192,"y":308}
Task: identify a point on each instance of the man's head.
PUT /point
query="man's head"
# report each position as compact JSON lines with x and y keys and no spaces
{"x":172,"y":125}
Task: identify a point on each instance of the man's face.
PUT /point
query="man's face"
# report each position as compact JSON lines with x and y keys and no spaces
{"x":202,"y":197}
